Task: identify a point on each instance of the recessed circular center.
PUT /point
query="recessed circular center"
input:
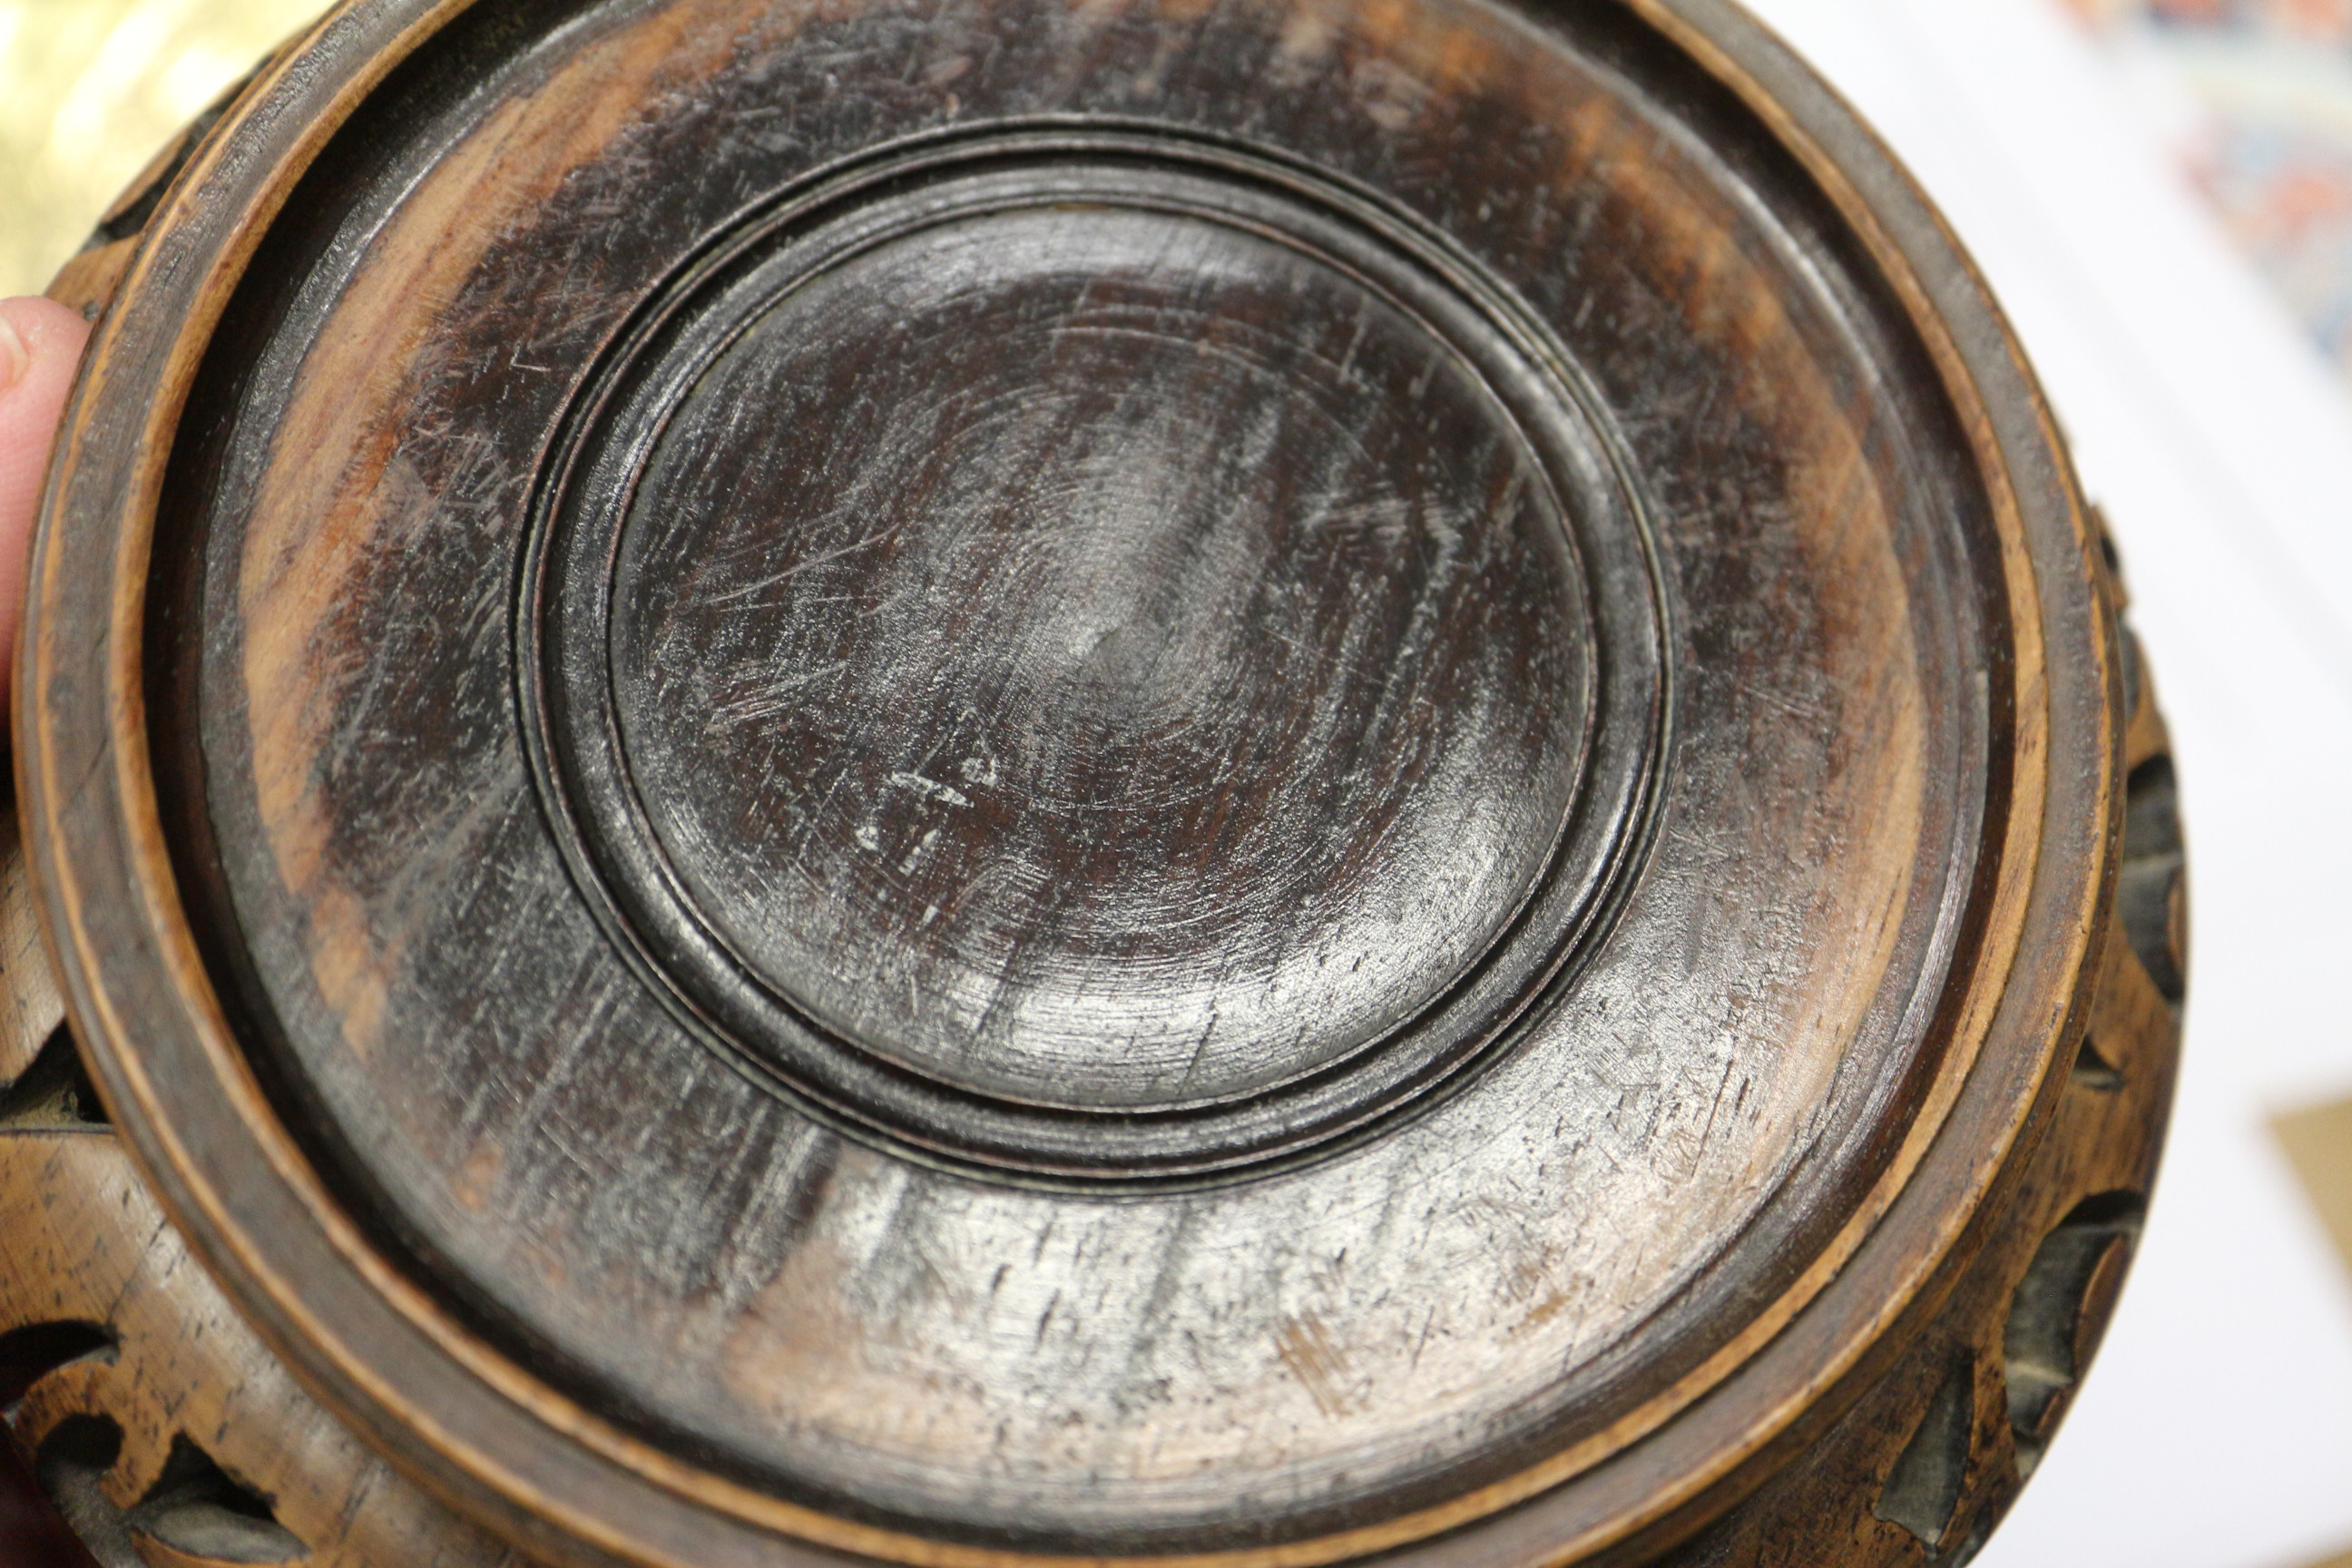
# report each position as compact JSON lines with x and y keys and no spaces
{"x":1095,"y":656}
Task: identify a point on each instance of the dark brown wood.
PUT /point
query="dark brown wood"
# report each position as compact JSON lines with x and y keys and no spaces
{"x":1077,"y":661}
{"x":1258,"y":782}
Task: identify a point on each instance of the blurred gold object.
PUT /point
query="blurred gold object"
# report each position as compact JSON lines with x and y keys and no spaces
{"x":2319,"y":1141}
{"x":90,"y":89}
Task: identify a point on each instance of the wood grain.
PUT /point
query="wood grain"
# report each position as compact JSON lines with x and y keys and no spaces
{"x":126,"y":1374}
{"x":1244,"y":784}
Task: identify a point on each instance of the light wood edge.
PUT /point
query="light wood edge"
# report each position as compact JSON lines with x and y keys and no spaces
{"x":2105,"y":1138}
{"x":1694,"y":26}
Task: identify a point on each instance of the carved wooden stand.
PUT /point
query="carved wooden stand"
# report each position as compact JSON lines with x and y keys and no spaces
{"x":1242,"y":786}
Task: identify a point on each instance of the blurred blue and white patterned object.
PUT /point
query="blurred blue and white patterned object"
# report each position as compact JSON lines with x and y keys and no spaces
{"x":2254,"y":98}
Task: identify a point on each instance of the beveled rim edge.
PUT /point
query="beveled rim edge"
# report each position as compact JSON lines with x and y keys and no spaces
{"x":255,"y":148}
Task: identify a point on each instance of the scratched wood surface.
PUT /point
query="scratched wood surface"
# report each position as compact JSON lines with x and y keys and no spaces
{"x":1264,"y":780}
{"x":153,"y":1419}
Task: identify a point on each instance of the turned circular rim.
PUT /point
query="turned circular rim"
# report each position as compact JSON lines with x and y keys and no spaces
{"x":525,"y":1457}
{"x":640,"y":869}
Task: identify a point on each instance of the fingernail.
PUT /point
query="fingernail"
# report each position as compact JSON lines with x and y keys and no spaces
{"x":15,"y":359}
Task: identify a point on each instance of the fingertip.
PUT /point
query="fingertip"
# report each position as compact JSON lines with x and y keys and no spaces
{"x":41,"y":343}
{"x":46,"y":336}
{"x":40,"y":347}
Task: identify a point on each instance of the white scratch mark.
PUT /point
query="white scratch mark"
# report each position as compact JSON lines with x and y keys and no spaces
{"x":930,"y":787}
{"x":907,"y":865}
